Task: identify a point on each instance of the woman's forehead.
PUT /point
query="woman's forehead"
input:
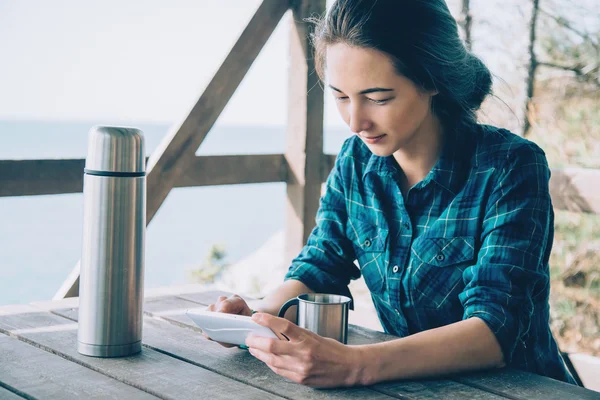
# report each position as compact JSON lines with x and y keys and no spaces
{"x":353,"y":69}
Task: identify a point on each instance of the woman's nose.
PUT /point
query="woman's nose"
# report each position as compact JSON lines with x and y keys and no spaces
{"x":358,"y":120}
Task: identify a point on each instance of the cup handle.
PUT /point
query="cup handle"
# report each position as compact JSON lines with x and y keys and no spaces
{"x":286,"y":305}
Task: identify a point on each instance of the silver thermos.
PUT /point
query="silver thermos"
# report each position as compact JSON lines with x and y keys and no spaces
{"x":111,"y":286}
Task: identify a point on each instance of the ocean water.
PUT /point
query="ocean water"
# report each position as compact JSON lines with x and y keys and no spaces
{"x":40,"y":236}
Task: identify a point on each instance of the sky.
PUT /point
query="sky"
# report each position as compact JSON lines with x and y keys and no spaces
{"x":148,"y":61}
{"x":141,"y":61}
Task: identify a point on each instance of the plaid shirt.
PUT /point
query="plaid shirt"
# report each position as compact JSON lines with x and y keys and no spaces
{"x":470,"y":240}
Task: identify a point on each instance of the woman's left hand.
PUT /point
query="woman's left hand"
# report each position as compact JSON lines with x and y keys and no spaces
{"x":306,"y":358}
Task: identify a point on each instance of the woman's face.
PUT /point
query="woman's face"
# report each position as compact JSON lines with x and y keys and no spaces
{"x":386,"y":110}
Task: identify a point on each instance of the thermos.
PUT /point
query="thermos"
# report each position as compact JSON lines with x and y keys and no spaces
{"x":111,"y":285}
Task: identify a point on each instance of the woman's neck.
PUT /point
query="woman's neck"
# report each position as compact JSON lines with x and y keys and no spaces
{"x":418,"y":157}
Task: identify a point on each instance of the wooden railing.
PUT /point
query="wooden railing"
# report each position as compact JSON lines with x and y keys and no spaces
{"x":572,"y":189}
{"x":303,"y":166}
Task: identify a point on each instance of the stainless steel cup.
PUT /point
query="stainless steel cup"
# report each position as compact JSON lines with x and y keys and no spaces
{"x":324,"y":314}
{"x":111,"y":286}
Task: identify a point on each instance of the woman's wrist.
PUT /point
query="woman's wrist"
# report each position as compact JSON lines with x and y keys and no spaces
{"x":363,"y":365}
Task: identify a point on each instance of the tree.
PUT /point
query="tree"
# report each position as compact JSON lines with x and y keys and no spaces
{"x":213,"y":266}
{"x":533,"y":64}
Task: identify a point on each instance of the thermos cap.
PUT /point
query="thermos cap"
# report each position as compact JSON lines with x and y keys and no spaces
{"x":115,"y":149}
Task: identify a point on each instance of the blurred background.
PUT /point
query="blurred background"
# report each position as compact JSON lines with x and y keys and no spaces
{"x":67,"y":65}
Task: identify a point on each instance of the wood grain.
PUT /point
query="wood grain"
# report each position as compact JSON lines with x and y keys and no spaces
{"x":157,"y":373}
{"x":166,"y":308}
{"x":516,"y":384}
{"x":304,"y":147}
{"x":43,"y":375}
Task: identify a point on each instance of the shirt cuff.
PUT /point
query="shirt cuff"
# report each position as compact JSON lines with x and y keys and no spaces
{"x":500,"y":322}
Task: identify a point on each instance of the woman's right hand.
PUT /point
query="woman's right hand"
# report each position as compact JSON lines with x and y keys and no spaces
{"x":229,"y":305}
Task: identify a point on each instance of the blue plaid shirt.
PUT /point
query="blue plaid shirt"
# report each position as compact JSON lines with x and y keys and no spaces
{"x":470,"y":240}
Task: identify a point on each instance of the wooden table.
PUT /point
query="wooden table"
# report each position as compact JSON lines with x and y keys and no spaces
{"x":39,"y":359}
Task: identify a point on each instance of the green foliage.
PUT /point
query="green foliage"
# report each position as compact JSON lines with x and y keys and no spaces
{"x":213,"y":266}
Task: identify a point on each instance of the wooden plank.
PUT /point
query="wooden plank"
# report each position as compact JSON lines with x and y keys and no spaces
{"x":176,"y":152}
{"x":41,"y":177}
{"x":173,"y":333}
{"x":304,"y":148}
{"x":40,"y":374}
{"x":172,"y":309}
{"x":361,"y":335}
{"x":36,"y":177}
{"x":234,"y":170}
{"x":572,"y":189}
{"x":576,"y":189}
{"x":157,"y":373}
{"x":516,"y":384}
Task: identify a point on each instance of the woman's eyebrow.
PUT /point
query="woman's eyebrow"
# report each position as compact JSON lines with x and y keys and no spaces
{"x":366,"y":91}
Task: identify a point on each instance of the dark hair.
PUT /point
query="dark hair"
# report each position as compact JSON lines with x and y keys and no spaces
{"x":421,"y":37}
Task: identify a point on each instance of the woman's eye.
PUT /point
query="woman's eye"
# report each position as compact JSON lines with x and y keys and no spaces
{"x":342,"y":98}
{"x":379,"y":101}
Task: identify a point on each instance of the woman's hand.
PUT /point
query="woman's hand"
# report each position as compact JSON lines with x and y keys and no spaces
{"x":229,"y":305}
{"x":306,"y":358}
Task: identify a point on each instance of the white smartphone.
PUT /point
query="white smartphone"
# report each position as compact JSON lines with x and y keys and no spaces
{"x":228,"y":328}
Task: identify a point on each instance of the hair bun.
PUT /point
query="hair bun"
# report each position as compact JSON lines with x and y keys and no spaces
{"x":482,"y":83}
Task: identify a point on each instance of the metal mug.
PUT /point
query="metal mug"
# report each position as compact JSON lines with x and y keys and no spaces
{"x":324,"y":314}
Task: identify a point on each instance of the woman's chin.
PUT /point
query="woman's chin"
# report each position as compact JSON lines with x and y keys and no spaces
{"x":380,"y":151}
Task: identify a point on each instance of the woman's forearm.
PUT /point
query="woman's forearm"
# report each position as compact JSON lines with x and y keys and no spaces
{"x":273,"y":301}
{"x":462,"y":346}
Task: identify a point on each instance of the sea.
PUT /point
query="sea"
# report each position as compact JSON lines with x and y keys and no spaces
{"x":41,"y":236}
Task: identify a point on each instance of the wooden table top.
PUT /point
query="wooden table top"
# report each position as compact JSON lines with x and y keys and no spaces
{"x":39,"y":360}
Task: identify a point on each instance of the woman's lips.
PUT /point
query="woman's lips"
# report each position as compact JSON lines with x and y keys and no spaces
{"x":373,"y":139}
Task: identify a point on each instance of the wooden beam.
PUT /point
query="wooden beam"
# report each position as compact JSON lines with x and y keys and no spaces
{"x":176,"y":152}
{"x":304,"y":148}
{"x":233,"y":170}
{"x":41,"y":177}
{"x":36,"y":177}
{"x":572,"y":189}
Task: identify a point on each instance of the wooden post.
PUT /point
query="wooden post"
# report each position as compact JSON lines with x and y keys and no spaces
{"x":304,"y":148}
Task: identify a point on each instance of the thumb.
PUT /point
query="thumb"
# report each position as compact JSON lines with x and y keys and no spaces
{"x":280,"y":326}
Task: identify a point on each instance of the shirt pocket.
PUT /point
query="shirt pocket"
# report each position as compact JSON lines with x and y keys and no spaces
{"x":436,"y":270}
{"x":370,"y":245}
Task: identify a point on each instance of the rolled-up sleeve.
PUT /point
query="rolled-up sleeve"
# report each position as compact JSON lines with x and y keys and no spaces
{"x":511,"y":274}
{"x":325,"y":264}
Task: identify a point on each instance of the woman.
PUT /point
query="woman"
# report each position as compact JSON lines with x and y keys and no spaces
{"x":451,"y":221}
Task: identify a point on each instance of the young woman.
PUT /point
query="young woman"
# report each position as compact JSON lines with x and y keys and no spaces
{"x":451,"y":221}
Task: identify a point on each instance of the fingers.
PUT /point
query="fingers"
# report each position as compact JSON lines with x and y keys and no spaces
{"x":280,"y":326}
{"x":284,"y":366}
{"x":230,"y":305}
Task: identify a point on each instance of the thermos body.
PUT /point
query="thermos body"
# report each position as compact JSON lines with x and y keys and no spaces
{"x":111,"y":286}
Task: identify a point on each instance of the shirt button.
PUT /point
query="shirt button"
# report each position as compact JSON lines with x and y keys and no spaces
{"x":440,"y":257}
{"x":367,"y":243}
{"x":395,"y":269}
